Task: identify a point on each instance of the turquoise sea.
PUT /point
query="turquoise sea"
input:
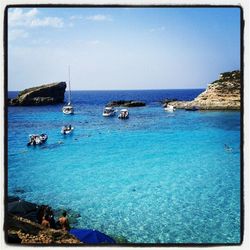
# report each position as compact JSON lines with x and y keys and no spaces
{"x":157,"y":177}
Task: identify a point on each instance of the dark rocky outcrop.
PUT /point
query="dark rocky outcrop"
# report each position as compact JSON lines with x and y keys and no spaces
{"x":167,"y":101}
{"x":22,"y":228}
{"x":222,"y":94}
{"x":123,"y":103}
{"x":23,"y":231}
{"x":46,"y":94}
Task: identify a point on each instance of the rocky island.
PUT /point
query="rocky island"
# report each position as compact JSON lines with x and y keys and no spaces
{"x":123,"y":103}
{"x":222,"y":94}
{"x":45,"y":94}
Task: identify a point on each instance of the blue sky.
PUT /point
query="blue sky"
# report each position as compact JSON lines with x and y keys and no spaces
{"x":122,"y":48}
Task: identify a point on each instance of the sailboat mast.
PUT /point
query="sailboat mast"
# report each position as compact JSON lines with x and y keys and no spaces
{"x":69,"y":87}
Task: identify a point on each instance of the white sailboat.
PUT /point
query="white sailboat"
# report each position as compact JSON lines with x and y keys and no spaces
{"x":68,"y":109}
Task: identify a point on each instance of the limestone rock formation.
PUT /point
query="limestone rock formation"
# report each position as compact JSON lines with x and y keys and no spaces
{"x":222,"y":94}
{"x":46,"y":94}
{"x":124,"y":103}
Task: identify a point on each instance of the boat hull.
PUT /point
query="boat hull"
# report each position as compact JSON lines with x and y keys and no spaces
{"x":124,"y":114}
{"x":169,"y":108}
{"x":67,"y":132}
{"x":123,"y":117}
{"x":108,"y":115}
{"x":68,"y":110}
{"x":37,"y":139}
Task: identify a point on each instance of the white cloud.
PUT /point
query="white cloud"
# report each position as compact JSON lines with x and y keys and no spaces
{"x":94,"y":42}
{"x":99,"y":18}
{"x":16,"y":34}
{"x":54,"y":22}
{"x":76,"y":17}
{"x":40,"y":41}
{"x":18,"y":17}
{"x":161,"y":28}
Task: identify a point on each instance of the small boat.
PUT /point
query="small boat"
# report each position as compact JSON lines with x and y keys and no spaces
{"x":68,"y":109}
{"x":123,"y":114}
{"x":35,"y":139}
{"x":193,"y":108}
{"x":169,"y":108}
{"x":67,"y":129}
{"x":108,"y":111}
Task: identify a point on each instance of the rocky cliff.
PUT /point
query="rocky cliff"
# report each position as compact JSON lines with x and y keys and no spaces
{"x":46,"y":94}
{"x":222,"y":94}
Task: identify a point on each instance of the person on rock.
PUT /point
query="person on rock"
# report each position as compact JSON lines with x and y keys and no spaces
{"x":64,"y":222}
{"x":45,"y":222}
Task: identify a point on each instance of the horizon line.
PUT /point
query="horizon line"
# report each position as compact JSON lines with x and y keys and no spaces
{"x":120,"y":89}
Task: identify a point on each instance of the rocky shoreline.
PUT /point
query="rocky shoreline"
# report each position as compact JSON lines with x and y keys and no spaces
{"x":222,"y":94}
{"x":24,"y":228}
{"x":24,"y":231}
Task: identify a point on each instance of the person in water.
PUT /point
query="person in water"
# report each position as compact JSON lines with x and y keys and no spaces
{"x":64,"y":222}
{"x":227,"y":148}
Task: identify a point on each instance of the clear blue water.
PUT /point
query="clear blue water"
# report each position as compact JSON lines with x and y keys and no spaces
{"x":157,"y":177}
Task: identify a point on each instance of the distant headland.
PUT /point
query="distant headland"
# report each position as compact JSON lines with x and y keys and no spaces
{"x":222,"y":94}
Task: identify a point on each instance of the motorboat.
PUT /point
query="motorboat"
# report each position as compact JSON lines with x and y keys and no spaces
{"x":35,"y":139}
{"x":169,"y":108}
{"x":124,"y":114}
{"x":68,"y":109}
{"x":67,"y":129}
{"x":108,"y":111}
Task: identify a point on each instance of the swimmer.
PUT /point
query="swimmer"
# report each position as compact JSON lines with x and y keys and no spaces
{"x":227,"y":148}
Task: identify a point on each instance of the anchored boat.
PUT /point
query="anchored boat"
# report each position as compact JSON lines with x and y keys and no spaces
{"x":108,"y":111}
{"x":35,"y":139}
{"x":68,"y":109}
{"x":169,"y":108}
{"x":124,"y":114}
{"x":67,"y":129}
